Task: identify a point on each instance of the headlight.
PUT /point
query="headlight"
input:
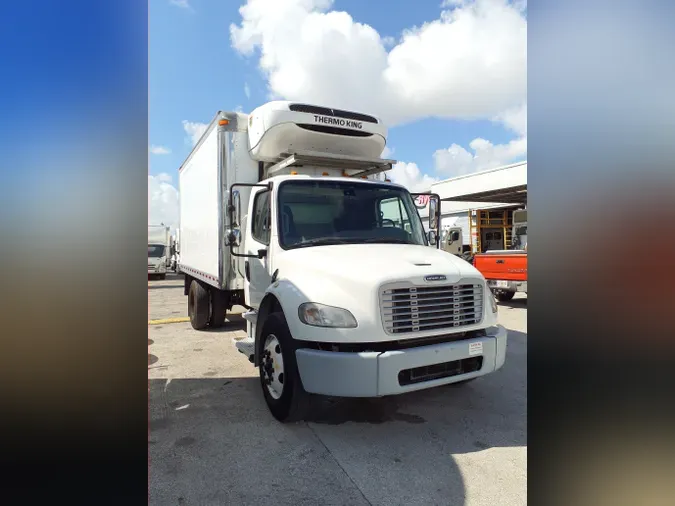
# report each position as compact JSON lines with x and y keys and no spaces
{"x":320,"y":315}
{"x":493,"y":301}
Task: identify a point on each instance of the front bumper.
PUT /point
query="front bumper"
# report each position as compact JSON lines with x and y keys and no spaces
{"x":374,"y":374}
{"x":507,"y":286}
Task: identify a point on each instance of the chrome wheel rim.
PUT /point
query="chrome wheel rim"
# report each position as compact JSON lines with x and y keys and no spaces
{"x":272,"y":366}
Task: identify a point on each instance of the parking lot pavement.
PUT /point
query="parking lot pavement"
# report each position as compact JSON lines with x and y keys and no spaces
{"x":213,"y":441}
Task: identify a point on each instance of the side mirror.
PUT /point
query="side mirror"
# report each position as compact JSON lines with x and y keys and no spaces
{"x":433,"y":208}
{"x":235,"y":207}
{"x":432,"y":237}
{"x":233,"y":237}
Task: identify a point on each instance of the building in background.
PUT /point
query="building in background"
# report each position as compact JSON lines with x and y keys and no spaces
{"x":482,"y":204}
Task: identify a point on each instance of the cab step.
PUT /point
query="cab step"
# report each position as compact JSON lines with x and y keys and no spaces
{"x":250,"y":316}
{"x":245,"y":345}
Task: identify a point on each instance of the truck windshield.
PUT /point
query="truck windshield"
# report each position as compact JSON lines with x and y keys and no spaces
{"x":314,"y":213}
{"x":520,"y":237}
{"x":155,"y":250}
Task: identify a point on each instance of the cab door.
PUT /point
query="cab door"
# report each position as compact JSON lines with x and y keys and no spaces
{"x":454,"y":241}
{"x":257,"y":243}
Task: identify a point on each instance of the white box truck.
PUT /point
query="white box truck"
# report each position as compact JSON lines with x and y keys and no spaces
{"x":158,"y":250}
{"x":284,"y":211}
{"x":176,"y":253}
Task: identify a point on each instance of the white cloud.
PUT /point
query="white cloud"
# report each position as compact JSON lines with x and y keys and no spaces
{"x":470,"y":63}
{"x":247,"y":90}
{"x":410,"y":176}
{"x":159,"y":150}
{"x":163,"y":201}
{"x":185,"y":4}
{"x":482,"y":154}
{"x":457,"y":161}
{"x":514,"y":119}
{"x":388,"y":41}
{"x":387,"y":152}
{"x":453,"y":3}
{"x":195,"y":130}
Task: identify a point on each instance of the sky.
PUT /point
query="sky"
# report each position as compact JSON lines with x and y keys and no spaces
{"x":448,"y":77}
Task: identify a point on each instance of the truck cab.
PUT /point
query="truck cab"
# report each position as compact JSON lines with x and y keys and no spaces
{"x":156,"y":259}
{"x":519,"y":236}
{"x":344,"y":295}
{"x":158,"y":250}
{"x":452,"y":240}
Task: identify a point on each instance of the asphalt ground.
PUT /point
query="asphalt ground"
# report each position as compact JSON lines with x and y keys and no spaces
{"x":213,"y":441}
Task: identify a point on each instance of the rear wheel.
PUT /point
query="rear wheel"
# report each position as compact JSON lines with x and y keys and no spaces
{"x":198,"y":305}
{"x":505,"y":296}
{"x":219,"y":303}
{"x":282,"y":388}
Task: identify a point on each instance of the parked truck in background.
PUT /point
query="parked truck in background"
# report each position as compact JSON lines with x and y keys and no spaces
{"x":451,"y":238}
{"x":176,"y":256}
{"x":158,"y":250}
{"x":506,"y":270}
{"x":171,"y":258}
{"x":284,"y":211}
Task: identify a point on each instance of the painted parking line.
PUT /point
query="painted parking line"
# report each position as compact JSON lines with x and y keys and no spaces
{"x":162,"y":321}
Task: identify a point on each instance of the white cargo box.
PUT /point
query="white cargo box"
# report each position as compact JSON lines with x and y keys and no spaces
{"x":158,"y":234}
{"x":281,"y":127}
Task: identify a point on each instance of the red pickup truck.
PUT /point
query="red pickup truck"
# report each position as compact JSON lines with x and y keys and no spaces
{"x":504,"y":270}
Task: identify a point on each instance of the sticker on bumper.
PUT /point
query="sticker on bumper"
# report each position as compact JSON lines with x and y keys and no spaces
{"x":475,"y":348}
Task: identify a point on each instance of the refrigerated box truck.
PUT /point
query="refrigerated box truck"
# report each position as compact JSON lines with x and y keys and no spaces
{"x":158,"y":250}
{"x":284,"y":211}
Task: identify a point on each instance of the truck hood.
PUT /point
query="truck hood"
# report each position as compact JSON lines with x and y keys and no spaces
{"x":350,"y":266}
{"x":350,"y":276}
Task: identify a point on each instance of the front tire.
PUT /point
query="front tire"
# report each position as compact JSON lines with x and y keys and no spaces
{"x":279,"y":378}
{"x":198,"y":305}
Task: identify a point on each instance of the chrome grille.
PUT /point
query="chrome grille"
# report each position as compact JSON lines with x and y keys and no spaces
{"x":415,"y":309}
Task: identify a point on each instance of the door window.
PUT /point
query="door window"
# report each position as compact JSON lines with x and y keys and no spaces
{"x":393,"y":214}
{"x":260,"y":227}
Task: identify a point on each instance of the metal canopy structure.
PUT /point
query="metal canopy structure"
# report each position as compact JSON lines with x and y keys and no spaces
{"x":506,"y":186}
{"x":365,"y":166}
{"x":511,"y":195}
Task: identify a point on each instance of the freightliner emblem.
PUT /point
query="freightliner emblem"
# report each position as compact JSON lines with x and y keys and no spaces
{"x":435,"y":277}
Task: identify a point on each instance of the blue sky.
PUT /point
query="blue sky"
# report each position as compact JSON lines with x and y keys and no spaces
{"x":194,"y":71}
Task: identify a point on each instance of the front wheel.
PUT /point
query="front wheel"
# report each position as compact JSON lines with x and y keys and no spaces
{"x":282,"y":388}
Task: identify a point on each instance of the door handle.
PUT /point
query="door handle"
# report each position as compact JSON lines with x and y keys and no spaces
{"x":500,"y":261}
{"x":247,"y":271}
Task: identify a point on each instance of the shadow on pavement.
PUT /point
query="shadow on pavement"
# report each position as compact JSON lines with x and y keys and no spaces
{"x":515,"y":303}
{"x":234,"y":323}
{"x":213,"y":441}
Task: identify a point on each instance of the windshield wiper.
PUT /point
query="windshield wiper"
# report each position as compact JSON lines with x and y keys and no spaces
{"x":323,"y":241}
{"x":387,"y":240}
